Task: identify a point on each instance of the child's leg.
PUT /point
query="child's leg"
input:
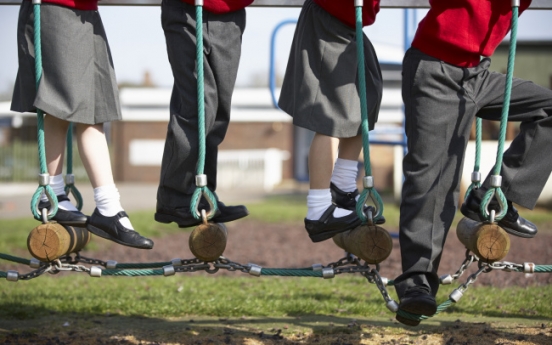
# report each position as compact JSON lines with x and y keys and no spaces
{"x":109,"y":219}
{"x":94,"y":153}
{"x":321,"y":163}
{"x":55,"y":131}
{"x":345,"y":170}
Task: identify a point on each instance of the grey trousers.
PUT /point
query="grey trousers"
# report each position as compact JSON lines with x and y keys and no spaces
{"x":441,"y":102}
{"x":222,"y":36}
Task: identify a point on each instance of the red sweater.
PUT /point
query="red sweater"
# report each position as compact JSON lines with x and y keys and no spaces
{"x":344,"y":10}
{"x":222,"y":6}
{"x":459,"y":32}
{"x":85,"y":5}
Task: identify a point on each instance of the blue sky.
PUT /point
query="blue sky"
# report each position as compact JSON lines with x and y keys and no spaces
{"x":138,"y":44}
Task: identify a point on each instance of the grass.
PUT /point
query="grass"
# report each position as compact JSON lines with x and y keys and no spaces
{"x":191,"y":295}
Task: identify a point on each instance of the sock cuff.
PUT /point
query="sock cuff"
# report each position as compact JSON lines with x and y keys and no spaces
{"x":346,"y":163}
{"x":107,"y":192}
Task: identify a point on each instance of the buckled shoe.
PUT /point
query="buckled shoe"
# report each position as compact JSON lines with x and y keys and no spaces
{"x":347,"y":200}
{"x":64,"y":217}
{"x":416,"y":300}
{"x":184,"y":218}
{"x":328,"y":226}
{"x":512,"y":222}
{"x":110,"y":228}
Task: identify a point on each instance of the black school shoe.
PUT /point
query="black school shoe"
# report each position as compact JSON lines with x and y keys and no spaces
{"x":110,"y":228}
{"x":328,"y":226}
{"x":64,"y":217}
{"x":184,"y":218}
{"x":347,"y":200}
{"x":416,"y":300}
{"x":512,"y":222}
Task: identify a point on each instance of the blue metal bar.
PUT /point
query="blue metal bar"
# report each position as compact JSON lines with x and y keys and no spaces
{"x":272,"y":68}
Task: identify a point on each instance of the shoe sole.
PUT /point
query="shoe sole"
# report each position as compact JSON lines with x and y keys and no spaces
{"x":167,"y":219}
{"x":329,"y":234}
{"x":477,"y":217}
{"x":405,"y":321}
{"x":74,"y":224}
{"x":420,"y":308}
{"x":99,"y":232}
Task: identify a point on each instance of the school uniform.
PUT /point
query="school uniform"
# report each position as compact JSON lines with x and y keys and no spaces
{"x":223,"y":26}
{"x":446,"y":83}
{"x":78,"y":81}
{"x":320,"y":87}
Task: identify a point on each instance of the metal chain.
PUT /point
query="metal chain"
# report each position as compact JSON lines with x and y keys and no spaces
{"x":448,"y":279}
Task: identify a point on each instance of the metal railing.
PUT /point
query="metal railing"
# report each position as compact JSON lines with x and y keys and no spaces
{"x":536,"y":4}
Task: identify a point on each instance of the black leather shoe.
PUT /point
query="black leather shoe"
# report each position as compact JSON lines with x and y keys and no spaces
{"x":512,"y":222}
{"x":347,"y":200}
{"x":416,"y":300}
{"x":64,"y":217}
{"x":184,"y":218}
{"x":110,"y":228}
{"x":328,"y":226}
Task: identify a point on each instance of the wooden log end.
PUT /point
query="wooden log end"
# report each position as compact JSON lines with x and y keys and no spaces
{"x":48,"y":241}
{"x":493,"y":243}
{"x":370,"y":243}
{"x":208,"y":241}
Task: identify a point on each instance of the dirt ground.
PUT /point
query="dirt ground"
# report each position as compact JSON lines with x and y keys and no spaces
{"x":287,"y":245}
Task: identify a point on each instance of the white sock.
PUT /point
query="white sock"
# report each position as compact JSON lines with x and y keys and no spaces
{"x":318,"y":201}
{"x":58,"y":186}
{"x":345,"y":174}
{"x":108,"y":203}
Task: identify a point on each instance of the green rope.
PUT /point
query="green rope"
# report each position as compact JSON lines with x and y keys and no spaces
{"x":143,"y":265}
{"x":15,"y":259}
{"x":503,"y":123}
{"x":440,"y":308}
{"x":201,"y":190}
{"x":368,"y":191}
{"x":290,"y":272}
{"x":70,"y":187}
{"x":47,"y":189}
{"x":132,"y":273}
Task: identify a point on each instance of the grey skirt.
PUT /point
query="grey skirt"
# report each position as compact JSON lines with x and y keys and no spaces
{"x":320,"y":88}
{"x":78,"y":80}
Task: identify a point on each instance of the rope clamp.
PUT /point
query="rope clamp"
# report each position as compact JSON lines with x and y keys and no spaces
{"x":176,"y":262}
{"x":95,"y":271}
{"x":12,"y":276}
{"x":516,"y":3}
{"x":359,"y":3}
{"x":368,"y":181}
{"x":34,"y":263}
{"x":254,"y":270}
{"x":69,"y":179}
{"x":111,"y":264}
{"x":528,"y":267}
{"x":456,"y":295}
{"x":199,"y":2}
{"x":392,"y":306}
{"x":492,"y":216}
{"x":37,"y":2}
{"x":476,"y":176}
{"x":328,"y":273}
{"x":317,"y":267}
{"x":446,"y":279}
{"x":201,"y":180}
{"x":168,"y":270}
{"x":43,"y":179}
{"x":496,"y":181}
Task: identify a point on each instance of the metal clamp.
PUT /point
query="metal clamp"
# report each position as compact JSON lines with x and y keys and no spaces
{"x":176,"y":262}
{"x":12,"y":276}
{"x":34,"y":263}
{"x":69,"y":179}
{"x":528,"y":267}
{"x":368,"y":182}
{"x":476,"y":176}
{"x":359,"y":3}
{"x":328,"y":273}
{"x":446,"y":279}
{"x":111,"y":264}
{"x":516,"y":3}
{"x":456,"y":295}
{"x":201,"y":180}
{"x":95,"y":271}
{"x":168,"y":270}
{"x":255,"y":270}
{"x":317,"y":267}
